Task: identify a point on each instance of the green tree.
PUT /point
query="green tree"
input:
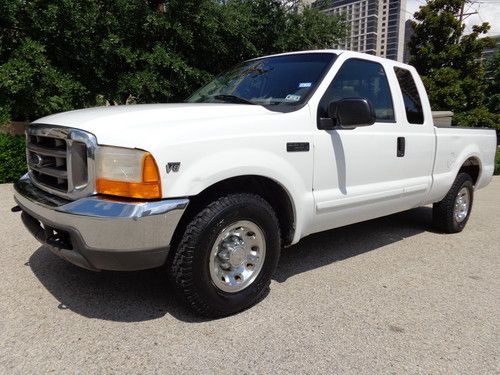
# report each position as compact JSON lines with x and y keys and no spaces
{"x":61,"y":54}
{"x":450,"y":61}
{"x":493,"y":78}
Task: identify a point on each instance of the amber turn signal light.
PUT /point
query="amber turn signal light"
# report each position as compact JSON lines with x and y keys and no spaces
{"x":148,"y":188}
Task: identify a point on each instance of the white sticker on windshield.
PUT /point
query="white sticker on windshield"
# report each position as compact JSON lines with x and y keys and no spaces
{"x":304,"y":85}
{"x":292,"y":98}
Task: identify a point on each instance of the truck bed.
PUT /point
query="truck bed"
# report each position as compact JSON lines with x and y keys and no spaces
{"x":454,"y":146}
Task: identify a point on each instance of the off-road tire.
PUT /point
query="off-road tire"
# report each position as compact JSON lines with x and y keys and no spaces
{"x":189,"y":267}
{"x":443,"y":212}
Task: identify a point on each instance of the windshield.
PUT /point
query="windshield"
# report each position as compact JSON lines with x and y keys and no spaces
{"x":280,"y":81}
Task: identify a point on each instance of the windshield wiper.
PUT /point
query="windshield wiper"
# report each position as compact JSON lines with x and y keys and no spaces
{"x":233,"y":99}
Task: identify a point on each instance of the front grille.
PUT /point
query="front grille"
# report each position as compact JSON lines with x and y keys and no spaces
{"x":48,"y":161}
{"x":60,"y":160}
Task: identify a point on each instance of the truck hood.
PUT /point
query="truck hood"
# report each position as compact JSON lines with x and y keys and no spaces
{"x":132,"y":125}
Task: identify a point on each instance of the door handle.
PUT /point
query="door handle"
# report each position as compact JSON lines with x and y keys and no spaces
{"x":401,"y":147}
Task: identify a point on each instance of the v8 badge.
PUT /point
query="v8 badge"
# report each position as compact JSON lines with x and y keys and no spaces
{"x":173,"y":167}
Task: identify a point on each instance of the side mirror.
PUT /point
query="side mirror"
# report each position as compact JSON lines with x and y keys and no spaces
{"x":350,"y":113}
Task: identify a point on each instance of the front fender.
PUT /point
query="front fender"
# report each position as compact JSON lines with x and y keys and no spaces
{"x":203,"y":172}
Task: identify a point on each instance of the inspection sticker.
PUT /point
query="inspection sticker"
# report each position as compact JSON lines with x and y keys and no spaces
{"x":292,"y":98}
{"x":304,"y":85}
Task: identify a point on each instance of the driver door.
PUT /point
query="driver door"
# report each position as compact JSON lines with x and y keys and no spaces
{"x":357,"y":171}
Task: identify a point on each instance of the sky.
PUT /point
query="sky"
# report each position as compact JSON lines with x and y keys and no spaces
{"x":489,"y":11}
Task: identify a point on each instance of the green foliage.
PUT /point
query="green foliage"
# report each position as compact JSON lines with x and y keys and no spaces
{"x":450,"y":62}
{"x":493,"y":78}
{"x":12,"y":157}
{"x":30,"y":86}
{"x":57,"y":55}
{"x":478,"y":117}
{"x":439,"y":41}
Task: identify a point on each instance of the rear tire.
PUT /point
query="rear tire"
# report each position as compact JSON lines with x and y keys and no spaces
{"x":227,"y":255}
{"x":451,"y":214}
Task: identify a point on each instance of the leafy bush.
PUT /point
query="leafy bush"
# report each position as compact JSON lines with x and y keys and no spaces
{"x":30,"y":87}
{"x":12,"y":157}
{"x":63,"y":54}
{"x":478,"y":117}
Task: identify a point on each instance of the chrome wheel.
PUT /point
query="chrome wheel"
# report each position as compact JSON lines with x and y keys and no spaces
{"x":237,"y":256}
{"x":462,"y":203}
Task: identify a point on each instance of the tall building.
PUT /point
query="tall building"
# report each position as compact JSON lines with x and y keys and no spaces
{"x":376,"y":26}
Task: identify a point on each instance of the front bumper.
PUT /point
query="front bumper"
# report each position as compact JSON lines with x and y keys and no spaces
{"x":100,"y":233}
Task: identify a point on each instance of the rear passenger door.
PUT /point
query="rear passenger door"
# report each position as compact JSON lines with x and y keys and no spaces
{"x":418,"y":132}
{"x":358,"y":174}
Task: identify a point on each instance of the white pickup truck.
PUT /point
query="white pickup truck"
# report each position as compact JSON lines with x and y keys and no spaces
{"x":275,"y":149}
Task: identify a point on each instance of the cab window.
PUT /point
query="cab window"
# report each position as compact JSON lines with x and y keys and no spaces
{"x":411,"y":98}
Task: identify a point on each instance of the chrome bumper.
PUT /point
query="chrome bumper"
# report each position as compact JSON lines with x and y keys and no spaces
{"x":98,"y":232}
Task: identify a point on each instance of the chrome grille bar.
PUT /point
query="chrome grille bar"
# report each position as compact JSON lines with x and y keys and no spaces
{"x":54,"y":172}
{"x":48,"y":151}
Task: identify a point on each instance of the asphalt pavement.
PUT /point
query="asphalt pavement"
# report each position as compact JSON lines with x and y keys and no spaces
{"x":383,"y":296}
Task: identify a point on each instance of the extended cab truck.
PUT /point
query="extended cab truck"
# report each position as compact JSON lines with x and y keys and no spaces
{"x":275,"y":149}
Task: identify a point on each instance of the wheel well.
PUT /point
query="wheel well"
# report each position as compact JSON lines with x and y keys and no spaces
{"x":472,"y":167}
{"x":265,"y":187}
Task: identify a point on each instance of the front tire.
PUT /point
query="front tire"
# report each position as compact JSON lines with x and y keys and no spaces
{"x":227,"y":255}
{"x":452,"y":213}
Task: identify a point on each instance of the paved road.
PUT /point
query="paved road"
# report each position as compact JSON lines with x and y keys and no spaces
{"x":385,"y":296}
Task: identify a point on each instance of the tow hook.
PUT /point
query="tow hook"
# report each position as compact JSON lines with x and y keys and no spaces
{"x":15,"y":209}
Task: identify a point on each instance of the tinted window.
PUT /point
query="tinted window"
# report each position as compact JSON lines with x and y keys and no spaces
{"x":274,"y":82}
{"x":365,"y":79}
{"x":413,"y":106}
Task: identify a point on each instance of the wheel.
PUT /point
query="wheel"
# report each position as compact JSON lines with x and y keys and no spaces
{"x":452,"y":213}
{"x":227,"y":255}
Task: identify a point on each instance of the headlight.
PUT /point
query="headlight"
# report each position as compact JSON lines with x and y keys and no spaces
{"x":127,"y":173}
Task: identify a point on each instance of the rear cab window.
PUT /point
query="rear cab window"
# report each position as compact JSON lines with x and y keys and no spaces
{"x":411,"y":97}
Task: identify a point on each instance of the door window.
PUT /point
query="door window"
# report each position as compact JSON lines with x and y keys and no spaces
{"x":361,"y":78}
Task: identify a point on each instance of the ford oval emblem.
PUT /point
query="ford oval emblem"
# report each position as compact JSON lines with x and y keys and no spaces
{"x":36,"y":160}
